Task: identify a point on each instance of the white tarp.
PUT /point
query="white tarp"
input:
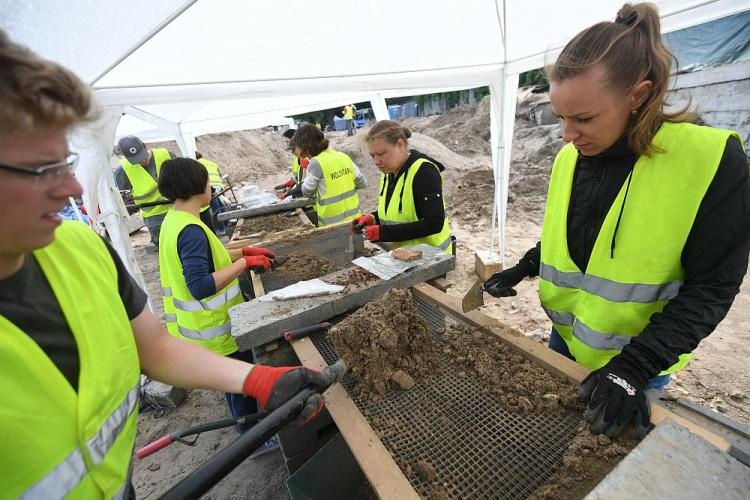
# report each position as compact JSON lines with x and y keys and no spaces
{"x":200,"y":66}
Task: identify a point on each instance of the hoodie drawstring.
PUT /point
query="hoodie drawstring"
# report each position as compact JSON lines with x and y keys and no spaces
{"x":619,"y":216}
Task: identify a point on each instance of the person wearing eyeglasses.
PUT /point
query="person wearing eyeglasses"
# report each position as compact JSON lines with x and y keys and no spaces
{"x":75,"y":333}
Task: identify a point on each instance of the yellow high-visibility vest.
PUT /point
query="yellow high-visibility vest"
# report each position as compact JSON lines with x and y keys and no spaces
{"x":401,"y":209}
{"x":56,"y":441}
{"x":341,"y":201}
{"x":597,"y":311}
{"x":206,"y":321}
{"x":214,"y":176}
{"x":145,"y":187}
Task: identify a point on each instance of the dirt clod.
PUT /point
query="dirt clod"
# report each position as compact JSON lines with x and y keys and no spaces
{"x":425,"y":470}
{"x":403,"y":380}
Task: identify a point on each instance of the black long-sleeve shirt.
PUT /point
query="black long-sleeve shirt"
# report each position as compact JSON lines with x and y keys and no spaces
{"x":715,"y":256}
{"x":428,"y":201}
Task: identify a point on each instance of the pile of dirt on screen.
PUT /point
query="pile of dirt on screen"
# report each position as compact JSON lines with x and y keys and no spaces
{"x":305,"y":266}
{"x":388,"y":346}
{"x":272,"y":223}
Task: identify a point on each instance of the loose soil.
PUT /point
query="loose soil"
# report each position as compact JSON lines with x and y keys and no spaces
{"x":272,"y":223}
{"x":305,"y":266}
{"x":385,"y":337}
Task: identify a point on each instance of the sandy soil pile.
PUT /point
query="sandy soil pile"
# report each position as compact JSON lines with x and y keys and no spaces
{"x":386,"y":344}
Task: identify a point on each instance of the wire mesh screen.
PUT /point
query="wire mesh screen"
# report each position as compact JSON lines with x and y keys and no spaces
{"x":330,"y":244}
{"x":478,"y":449}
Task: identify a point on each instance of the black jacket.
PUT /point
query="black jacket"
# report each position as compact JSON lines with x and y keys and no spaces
{"x":715,"y":255}
{"x":428,"y":201}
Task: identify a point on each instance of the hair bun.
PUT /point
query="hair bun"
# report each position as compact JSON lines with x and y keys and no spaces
{"x":407,"y":131}
{"x":627,"y":16}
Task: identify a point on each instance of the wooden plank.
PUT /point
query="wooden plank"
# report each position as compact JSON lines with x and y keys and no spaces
{"x":551,"y":360}
{"x":376,"y":462}
{"x":257,"y":322}
{"x":441,"y":284}
{"x":305,"y":219}
{"x":258,"y":289}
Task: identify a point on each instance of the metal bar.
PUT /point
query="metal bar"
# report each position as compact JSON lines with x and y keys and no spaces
{"x":269,"y":209}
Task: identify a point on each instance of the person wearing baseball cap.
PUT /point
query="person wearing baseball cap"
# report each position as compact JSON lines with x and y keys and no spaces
{"x":139,"y":173}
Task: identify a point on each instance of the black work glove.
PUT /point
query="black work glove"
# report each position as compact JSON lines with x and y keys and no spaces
{"x":274,"y":386}
{"x":616,"y":394}
{"x":501,"y":284}
{"x":296,"y":192}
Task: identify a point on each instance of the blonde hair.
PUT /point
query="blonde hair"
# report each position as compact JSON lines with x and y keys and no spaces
{"x":631,"y":50}
{"x":37,"y":92}
{"x":389,"y":131}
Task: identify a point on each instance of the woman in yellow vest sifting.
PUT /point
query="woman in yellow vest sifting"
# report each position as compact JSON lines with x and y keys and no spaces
{"x":198,"y":275}
{"x":331,"y":177}
{"x":411,"y":207}
{"x":646,"y":235}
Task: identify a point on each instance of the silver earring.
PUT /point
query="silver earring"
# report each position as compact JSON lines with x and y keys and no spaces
{"x":634,"y":112}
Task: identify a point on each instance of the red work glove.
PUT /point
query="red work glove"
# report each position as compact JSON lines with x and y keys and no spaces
{"x":254,"y":251}
{"x":258,"y":263}
{"x":372,"y":233}
{"x":362,"y":222}
{"x":304,"y":162}
{"x":273,"y":387}
{"x":290,"y":183}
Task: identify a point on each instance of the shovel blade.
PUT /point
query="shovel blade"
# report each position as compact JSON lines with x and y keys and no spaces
{"x":474,"y":297}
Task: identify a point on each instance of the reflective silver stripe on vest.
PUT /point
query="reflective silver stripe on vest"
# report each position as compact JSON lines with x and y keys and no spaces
{"x":385,"y":222}
{"x":612,"y":291}
{"x":102,"y":441}
{"x":636,"y":292}
{"x":599,"y":340}
{"x":559,"y":278}
{"x":443,"y":246}
{"x":204,"y":305}
{"x":561,"y":318}
{"x":340,"y":217}
{"x":170,"y":318}
{"x":206,"y":333}
{"x":144,"y":196}
{"x":61,"y":480}
{"x":338,"y":197}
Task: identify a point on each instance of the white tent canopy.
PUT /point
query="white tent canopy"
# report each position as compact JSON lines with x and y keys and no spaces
{"x":180,"y":68}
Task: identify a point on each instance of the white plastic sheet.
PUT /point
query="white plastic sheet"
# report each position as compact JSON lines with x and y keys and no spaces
{"x":309,"y":288}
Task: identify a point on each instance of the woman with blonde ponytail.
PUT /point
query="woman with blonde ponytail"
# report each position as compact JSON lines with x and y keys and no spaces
{"x":647,"y":227}
{"x":411,"y":208}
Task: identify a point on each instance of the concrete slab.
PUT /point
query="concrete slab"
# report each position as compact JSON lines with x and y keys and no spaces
{"x":673,"y":463}
{"x":255,"y":323}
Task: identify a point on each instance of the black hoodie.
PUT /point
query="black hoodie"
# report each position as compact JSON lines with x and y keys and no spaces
{"x":428,"y":201}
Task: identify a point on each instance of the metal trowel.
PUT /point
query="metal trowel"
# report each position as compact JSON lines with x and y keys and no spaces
{"x":474,"y":297}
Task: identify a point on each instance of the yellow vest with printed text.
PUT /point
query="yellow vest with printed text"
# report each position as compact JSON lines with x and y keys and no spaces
{"x":206,"y":321}
{"x":145,"y":187}
{"x":341,"y":201}
{"x":599,"y":310}
{"x":401,"y":208}
{"x":56,"y":441}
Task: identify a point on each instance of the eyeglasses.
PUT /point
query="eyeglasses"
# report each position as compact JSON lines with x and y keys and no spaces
{"x":46,"y":176}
